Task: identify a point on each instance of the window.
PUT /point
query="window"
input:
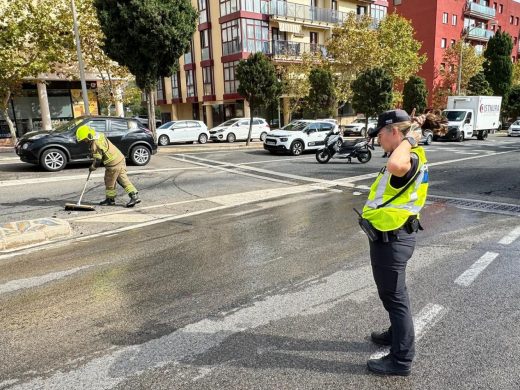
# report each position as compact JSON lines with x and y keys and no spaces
{"x":121,"y":126}
{"x":207,"y":80}
{"x":516,"y":21}
{"x":442,"y":67}
{"x":258,"y":6}
{"x":445,"y":18}
{"x":443,"y":43}
{"x":511,"y":19}
{"x":190,"y":83}
{"x":255,"y":35}
{"x":314,"y":41}
{"x":500,"y":8}
{"x":378,"y":12}
{"x":334,"y":5}
{"x":160,"y":89}
{"x":203,"y":11}
{"x":453,"y":20}
{"x":188,"y":57}
{"x":230,"y":82}
{"x":231,"y":42}
{"x":98,"y":125}
{"x":397,"y":2}
{"x":452,"y":42}
{"x":495,"y":6}
{"x":361,"y":10}
{"x":204,"y":45}
{"x":176,"y":86}
{"x":326,"y":127}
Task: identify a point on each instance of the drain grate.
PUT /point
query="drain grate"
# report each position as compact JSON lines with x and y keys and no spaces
{"x":479,"y":205}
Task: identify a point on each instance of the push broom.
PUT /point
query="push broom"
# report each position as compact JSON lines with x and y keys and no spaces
{"x":78,"y":206}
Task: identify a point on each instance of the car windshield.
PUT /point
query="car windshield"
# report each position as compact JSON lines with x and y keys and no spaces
{"x":454,"y":116}
{"x":166,"y":125}
{"x":229,"y":122}
{"x":359,"y":121}
{"x":294,"y":126}
{"x":67,"y":125}
{"x":516,"y":123}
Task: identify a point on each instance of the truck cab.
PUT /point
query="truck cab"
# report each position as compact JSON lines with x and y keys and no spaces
{"x":460,"y":124}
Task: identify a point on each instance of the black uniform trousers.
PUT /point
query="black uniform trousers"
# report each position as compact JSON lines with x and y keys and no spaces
{"x":389,"y":262}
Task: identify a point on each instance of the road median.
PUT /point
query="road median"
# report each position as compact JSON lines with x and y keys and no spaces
{"x":19,"y":234}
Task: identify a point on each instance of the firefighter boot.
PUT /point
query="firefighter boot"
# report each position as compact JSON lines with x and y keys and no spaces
{"x":108,"y":202}
{"x":134,"y":199}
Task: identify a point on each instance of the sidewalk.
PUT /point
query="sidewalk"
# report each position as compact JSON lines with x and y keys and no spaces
{"x":209,"y":147}
{"x":15,"y":235}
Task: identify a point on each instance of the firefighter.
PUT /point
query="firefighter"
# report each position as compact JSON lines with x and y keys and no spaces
{"x":106,"y":153}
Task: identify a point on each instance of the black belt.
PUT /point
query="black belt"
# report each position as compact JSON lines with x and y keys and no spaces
{"x":412,"y":225}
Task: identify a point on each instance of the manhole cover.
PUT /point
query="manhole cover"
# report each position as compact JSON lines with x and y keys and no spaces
{"x":479,"y":205}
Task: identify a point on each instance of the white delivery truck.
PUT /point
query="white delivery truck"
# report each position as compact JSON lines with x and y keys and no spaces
{"x":470,"y":116}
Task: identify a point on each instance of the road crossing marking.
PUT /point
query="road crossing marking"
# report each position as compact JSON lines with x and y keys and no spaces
{"x":474,"y":271}
{"x":423,"y":321}
{"x":511,"y":237}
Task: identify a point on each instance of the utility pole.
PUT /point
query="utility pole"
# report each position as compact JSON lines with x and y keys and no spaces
{"x":80,"y":60}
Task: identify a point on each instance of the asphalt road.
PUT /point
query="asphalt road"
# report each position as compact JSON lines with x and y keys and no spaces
{"x":242,"y":270}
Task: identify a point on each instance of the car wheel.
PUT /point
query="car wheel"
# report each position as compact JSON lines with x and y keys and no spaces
{"x":203,"y":138}
{"x":363,"y":132}
{"x":296,"y":148}
{"x":461,"y":137}
{"x":164,"y":140}
{"x":231,"y":137}
{"x":53,"y":160}
{"x":262,"y":136}
{"x":140,"y":155}
{"x":428,"y":140}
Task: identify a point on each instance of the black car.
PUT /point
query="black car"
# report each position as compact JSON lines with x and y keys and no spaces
{"x":54,"y":149}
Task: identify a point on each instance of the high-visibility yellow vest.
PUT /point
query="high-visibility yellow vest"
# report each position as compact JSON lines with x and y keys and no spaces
{"x":410,"y":202}
{"x":104,"y":150}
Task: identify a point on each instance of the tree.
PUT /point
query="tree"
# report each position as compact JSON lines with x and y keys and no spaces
{"x":148,"y":37}
{"x":513,"y":106}
{"x":399,"y":50}
{"x":415,"y":94}
{"x":478,"y":86}
{"x":321,"y":101}
{"x":516,"y":73}
{"x":498,"y":68}
{"x":258,"y":83}
{"x":34,"y":38}
{"x":372,"y":92}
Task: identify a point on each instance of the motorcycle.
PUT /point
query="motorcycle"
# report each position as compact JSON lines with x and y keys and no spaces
{"x":349,"y":149}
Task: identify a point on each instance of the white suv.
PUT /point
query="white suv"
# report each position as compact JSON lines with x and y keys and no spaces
{"x":299,"y":136}
{"x":238,"y":129}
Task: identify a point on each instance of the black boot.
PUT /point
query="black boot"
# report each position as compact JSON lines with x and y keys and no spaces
{"x":134,"y":199}
{"x":383,"y":338}
{"x":108,"y":202}
{"x":386,"y":366}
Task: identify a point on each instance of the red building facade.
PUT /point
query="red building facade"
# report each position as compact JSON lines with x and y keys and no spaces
{"x":439,"y":24}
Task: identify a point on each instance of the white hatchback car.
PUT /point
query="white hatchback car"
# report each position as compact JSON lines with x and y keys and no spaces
{"x":514,"y":129}
{"x":182,"y":131}
{"x":238,"y":128}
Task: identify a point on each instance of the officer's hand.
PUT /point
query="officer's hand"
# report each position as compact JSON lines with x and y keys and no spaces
{"x":92,"y":168}
{"x":415,"y":133}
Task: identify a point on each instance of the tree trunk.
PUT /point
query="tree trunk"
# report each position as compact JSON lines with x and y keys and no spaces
{"x":151,"y":113}
{"x":5,"y":112}
{"x":250,"y":124}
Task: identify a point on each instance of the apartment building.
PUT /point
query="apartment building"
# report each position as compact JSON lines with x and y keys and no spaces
{"x":439,"y":24}
{"x":205,"y":87}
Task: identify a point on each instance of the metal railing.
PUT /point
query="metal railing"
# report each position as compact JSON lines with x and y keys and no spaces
{"x":306,"y":13}
{"x":479,"y":33}
{"x":295,"y":49}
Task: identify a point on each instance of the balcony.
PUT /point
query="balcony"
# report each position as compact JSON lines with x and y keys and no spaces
{"x":288,"y":50}
{"x":479,"y":34}
{"x":479,"y":11}
{"x":305,"y":13}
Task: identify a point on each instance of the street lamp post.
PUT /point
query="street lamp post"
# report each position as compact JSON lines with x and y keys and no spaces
{"x":80,"y":60}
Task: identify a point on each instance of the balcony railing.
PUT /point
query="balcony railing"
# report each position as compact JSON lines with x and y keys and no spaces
{"x":294,"y":50}
{"x":306,"y":13}
{"x":479,"y":33}
{"x":480,"y":11}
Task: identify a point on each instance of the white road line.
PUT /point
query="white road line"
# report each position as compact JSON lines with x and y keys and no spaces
{"x":18,"y":182}
{"x":511,"y":237}
{"x":472,"y":272}
{"x":423,"y":321}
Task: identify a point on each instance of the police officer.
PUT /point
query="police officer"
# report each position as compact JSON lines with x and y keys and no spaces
{"x":393,"y":205}
{"x":105,"y":152}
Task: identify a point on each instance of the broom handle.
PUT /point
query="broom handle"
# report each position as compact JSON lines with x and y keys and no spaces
{"x":84,"y":188}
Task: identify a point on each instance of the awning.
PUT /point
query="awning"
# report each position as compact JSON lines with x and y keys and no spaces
{"x":290,"y":27}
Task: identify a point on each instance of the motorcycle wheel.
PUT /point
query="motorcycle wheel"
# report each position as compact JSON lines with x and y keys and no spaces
{"x":323,"y":156}
{"x":365,"y":157}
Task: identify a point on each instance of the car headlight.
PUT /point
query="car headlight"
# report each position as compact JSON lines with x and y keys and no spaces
{"x":220,"y":131}
{"x":25,"y":146}
{"x":284,"y":139}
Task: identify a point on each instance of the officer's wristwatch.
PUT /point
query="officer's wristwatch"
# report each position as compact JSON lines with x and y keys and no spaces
{"x":411,"y":140}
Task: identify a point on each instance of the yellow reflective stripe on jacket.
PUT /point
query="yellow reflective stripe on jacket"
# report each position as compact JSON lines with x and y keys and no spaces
{"x":103,"y":149}
{"x":395,"y":214}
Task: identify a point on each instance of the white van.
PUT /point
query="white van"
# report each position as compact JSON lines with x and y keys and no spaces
{"x":237,"y":129}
